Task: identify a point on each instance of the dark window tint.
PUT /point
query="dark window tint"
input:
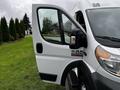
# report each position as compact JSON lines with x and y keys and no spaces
{"x":80,"y":19}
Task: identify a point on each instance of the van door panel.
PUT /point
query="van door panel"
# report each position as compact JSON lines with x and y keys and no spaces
{"x":52,"y":54}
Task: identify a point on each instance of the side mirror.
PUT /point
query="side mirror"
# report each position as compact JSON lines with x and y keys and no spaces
{"x":78,"y":39}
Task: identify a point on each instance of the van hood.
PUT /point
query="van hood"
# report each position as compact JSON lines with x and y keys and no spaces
{"x":115,"y":51}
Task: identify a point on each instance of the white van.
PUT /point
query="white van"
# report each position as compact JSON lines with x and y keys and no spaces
{"x":82,"y":54}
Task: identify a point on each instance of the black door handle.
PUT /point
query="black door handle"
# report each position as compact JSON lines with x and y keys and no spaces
{"x":39,"y":47}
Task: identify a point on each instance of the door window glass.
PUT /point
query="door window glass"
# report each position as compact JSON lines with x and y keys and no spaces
{"x":68,"y":28}
{"x":49,"y":25}
{"x":55,"y":26}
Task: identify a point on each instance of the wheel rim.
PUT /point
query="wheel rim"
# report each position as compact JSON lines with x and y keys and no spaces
{"x":83,"y":87}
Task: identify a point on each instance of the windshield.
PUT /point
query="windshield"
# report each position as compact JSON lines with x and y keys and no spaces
{"x":105,"y":25}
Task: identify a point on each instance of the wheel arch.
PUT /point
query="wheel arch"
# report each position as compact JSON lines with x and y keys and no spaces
{"x":71,"y":66}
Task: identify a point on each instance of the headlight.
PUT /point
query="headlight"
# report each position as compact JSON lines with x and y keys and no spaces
{"x":108,"y":61}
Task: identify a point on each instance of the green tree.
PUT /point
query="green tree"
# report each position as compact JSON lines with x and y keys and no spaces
{"x":22,"y":29}
{"x":5,"y":30}
{"x":0,"y":34}
{"x":17,"y":28}
{"x":26,"y":22}
{"x":12,"y":30}
{"x":47,"y":25}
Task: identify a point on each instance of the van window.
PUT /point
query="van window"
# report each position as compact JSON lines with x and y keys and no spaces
{"x":68,"y":27}
{"x":80,"y":19}
{"x":105,"y":25}
{"x":49,"y":25}
{"x":55,"y":26}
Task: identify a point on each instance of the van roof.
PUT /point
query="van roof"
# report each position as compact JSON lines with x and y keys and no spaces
{"x":89,"y":4}
{"x":106,"y":3}
{"x":100,"y":3}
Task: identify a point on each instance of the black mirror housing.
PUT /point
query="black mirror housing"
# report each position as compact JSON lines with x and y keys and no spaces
{"x":79,"y":38}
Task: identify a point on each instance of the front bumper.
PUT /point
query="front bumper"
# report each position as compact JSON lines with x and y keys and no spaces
{"x":103,"y":83}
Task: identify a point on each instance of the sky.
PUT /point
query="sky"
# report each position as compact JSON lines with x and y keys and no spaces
{"x":17,"y":8}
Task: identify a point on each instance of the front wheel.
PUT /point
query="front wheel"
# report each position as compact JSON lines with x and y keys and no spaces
{"x":71,"y":82}
{"x":68,"y":85}
{"x":85,"y":80}
{"x":82,"y":82}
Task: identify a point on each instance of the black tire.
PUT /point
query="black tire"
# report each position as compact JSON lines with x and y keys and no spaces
{"x":71,"y":82}
{"x":67,"y":85}
{"x":85,"y":80}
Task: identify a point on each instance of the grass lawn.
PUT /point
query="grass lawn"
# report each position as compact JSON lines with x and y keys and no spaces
{"x":18,"y":69}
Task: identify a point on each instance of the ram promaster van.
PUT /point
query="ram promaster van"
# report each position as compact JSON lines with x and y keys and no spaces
{"x":80,"y":52}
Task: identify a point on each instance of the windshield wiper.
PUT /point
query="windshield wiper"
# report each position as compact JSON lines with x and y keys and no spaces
{"x":109,"y":38}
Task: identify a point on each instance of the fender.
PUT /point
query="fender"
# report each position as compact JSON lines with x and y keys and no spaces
{"x":74,"y":65}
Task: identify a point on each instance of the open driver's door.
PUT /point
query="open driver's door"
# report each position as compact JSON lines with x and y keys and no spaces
{"x":51,"y":27}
